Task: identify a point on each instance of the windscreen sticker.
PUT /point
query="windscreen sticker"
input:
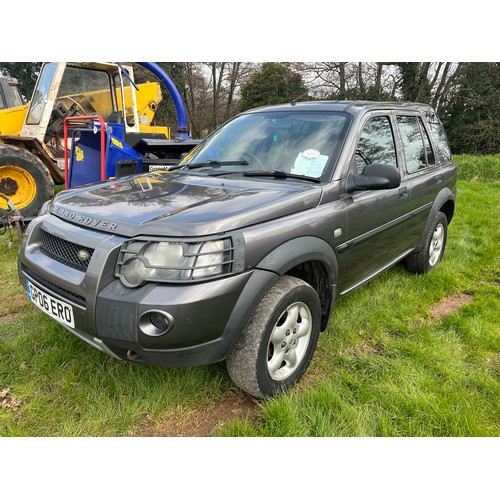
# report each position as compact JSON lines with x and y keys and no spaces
{"x":311,"y":163}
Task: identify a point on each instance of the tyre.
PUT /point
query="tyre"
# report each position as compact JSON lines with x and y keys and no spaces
{"x":279,"y":340}
{"x":24,"y":179}
{"x":428,"y":256}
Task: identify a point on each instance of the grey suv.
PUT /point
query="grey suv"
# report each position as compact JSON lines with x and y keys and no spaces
{"x":241,"y":250}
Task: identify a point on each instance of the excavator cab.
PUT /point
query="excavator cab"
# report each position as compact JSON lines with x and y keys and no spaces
{"x":65,"y":90}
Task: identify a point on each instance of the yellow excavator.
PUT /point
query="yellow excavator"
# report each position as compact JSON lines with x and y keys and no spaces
{"x":72,"y":105}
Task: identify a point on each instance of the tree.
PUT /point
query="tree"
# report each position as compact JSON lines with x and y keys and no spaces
{"x":274,"y":83}
{"x":25,"y":72}
{"x":197,"y":99}
{"x":415,"y":86}
{"x":226,"y":79}
{"x":466,"y":96}
{"x":165,"y":115}
{"x":210,"y":91}
{"x":472,"y":109}
{"x":342,"y":80}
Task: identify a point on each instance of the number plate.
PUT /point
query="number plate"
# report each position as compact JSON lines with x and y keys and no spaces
{"x":53,"y":307}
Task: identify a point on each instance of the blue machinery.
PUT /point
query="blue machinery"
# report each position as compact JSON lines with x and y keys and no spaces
{"x":104,"y":144}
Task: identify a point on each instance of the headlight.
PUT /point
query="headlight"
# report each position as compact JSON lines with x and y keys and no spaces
{"x":210,"y":259}
{"x":169,"y":261}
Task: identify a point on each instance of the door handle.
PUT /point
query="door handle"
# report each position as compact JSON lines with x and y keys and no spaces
{"x":403,"y":192}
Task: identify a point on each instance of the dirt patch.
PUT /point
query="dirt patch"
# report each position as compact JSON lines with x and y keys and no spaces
{"x":9,"y":401}
{"x":10,"y":318}
{"x":449,"y":305}
{"x":366,"y":349}
{"x":201,"y":423}
{"x":12,"y":306}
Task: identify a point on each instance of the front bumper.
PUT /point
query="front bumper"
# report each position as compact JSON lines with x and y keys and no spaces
{"x":200,"y":315}
{"x":208,"y":317}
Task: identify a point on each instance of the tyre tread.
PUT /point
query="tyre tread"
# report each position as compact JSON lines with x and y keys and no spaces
{"x":241,"y":361}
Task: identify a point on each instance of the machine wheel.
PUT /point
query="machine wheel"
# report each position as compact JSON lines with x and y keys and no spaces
{"x":428,"y":256}
{"x":24,"y":179}
{"x":279,"y":340}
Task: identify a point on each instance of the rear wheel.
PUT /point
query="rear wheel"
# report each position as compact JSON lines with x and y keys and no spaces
{"x":429,"y":255}
{"x":24,"y":179}
{"x":278,"y":342}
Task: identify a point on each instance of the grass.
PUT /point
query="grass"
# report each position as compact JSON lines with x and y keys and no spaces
{"x":473,"y":168}
{"x":386,"y":367}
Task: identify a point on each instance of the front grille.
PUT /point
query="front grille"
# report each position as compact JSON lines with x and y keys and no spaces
{"x":72,"y":297}
{"x":66,"y":252}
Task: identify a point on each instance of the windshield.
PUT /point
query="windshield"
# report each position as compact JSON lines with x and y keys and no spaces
{"x":297,"y":143}
{"x":88,"y":89}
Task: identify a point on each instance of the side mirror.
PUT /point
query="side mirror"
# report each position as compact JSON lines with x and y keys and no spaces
{"x":374,"y":176}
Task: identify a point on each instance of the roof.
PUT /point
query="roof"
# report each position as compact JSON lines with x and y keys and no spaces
{"x":354,"y":107}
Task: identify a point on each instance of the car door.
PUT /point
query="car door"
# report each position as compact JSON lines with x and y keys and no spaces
{"x":377,"y":220}
{"x":424,"y":180}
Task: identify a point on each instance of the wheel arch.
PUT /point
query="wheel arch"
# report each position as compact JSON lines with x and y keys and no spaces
{"x":444,"y":202}
{"x":312,"y":260}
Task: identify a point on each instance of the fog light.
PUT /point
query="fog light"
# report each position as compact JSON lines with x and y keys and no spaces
{"x":155,"y":323}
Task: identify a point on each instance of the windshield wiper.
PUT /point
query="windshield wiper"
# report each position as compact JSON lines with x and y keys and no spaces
{"x":211,"y":163}
{"x":279,"y":174}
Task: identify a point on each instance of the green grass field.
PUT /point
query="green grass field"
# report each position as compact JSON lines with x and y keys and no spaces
{"x":404,"y":356}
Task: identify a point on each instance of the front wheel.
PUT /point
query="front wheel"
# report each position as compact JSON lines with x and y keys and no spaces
{"x":278,"y":342}
{"x":429,"y":255}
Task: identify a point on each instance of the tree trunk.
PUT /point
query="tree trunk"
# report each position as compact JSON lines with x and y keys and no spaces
{"x":422,"y":93}
{"x":444,"y":86}
{"x":233,"y":78}
{"x":378,"y":79}
{"x":342,"y":81}
{"x":216,"y":88}
{"x":361,"y":82}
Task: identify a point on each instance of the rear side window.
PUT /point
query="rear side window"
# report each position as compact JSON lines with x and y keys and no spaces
{"x":417,"y":147}
{"x":437,"y":130}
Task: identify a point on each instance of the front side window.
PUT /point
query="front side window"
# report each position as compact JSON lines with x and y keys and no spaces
{"x":417,"y":148}
{"x":376,"y":144}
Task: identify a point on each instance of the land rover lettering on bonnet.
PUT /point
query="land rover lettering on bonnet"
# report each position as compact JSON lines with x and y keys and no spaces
{"x":241,"y":250}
